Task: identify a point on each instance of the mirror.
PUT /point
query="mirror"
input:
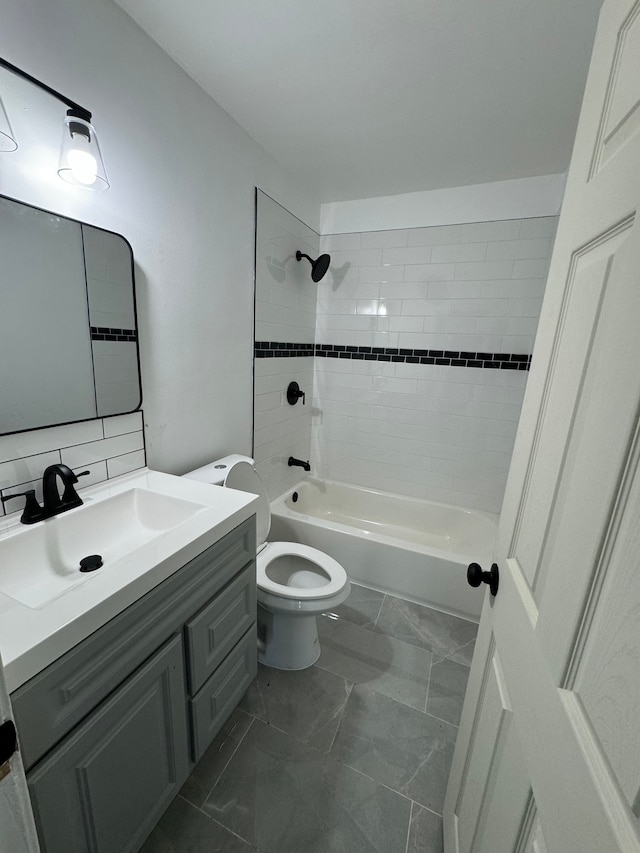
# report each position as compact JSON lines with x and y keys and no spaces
{"x":68,"y":329}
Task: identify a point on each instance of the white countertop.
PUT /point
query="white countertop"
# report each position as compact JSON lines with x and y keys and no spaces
{"x":31,"y":639}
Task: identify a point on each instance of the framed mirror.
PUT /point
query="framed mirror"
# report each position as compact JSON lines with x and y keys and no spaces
{"x":68,"y":326}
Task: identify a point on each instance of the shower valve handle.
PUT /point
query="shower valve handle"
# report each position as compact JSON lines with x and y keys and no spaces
{"x":294,"y":393}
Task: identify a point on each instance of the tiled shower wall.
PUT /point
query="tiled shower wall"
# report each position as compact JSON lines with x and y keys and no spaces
{"x":285,"y":314}
{"x":106,"y":447}
{"x":413,"y":417}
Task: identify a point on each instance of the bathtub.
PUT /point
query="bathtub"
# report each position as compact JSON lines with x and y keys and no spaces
{"x":411,"y":548}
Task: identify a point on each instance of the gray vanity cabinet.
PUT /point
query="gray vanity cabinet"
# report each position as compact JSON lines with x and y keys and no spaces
{"x":106,"y":787}
{"x":111,"y":730}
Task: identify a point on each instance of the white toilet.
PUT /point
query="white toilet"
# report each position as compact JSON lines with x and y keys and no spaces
{"x":295,"y":582}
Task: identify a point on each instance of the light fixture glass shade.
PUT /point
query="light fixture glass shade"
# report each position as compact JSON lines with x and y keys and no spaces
{"x":7,"y":139}
{"x":80,"y":158}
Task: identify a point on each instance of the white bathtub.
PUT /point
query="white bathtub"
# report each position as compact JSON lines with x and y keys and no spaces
{"x":411,"y":548}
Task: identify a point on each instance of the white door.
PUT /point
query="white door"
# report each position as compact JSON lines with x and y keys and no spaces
{"x":548,"y":752}
{"x":17,"y":830}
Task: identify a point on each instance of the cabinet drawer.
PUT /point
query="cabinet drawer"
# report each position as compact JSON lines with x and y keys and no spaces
{"x":106,"y":786}
{"x":48,"y":706}
{"x":211,"y":707}
{"x":215,"y":630}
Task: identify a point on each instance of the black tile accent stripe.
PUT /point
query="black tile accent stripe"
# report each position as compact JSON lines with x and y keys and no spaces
{"x":102,"y":333}
{"x":451,"y":358}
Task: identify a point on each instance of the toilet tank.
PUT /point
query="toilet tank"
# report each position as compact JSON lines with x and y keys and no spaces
{"x":215,"y":473}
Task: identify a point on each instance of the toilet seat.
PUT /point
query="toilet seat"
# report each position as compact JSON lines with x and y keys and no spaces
{"x":325,"y":564}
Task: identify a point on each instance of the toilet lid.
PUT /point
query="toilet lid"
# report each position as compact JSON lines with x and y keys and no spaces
{"x":243,"y":477}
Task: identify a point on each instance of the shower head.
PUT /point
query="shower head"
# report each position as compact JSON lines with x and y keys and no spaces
{"x":318,"y":267}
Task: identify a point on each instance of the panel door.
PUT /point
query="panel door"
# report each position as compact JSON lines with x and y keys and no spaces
{"x":548,"y":753}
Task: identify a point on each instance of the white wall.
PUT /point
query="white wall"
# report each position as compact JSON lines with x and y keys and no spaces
{"x":182,"y":191}
{"x":515,"y":199}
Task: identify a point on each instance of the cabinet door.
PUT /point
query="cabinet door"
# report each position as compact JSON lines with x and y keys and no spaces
{"x":105,"y":787}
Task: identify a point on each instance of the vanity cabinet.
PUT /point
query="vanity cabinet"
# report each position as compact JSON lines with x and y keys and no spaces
{"x":111,"y":730}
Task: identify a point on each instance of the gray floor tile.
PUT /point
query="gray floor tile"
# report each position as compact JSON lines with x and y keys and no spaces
{"x":361,"y":608}
{"x":446,"y":636}
{"x":403,"y":748}
{"x":307,"y":704}
{"x":425,"y":832}
{"x":447,"y":686}
{"x":287,"y":797}
{"x":184,"y":829}
{"x":207,"y":771}
{"x":386,"y":665}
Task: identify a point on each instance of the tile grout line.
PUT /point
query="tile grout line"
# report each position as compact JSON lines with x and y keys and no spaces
{"x":406,"y":846}
{"x":212,"y":819}
{"x":335,"y":734}
{"x":426,"y":698}
{"x":375,"y":624}
{"x":387,"y":787}
{"x":230,"y":757}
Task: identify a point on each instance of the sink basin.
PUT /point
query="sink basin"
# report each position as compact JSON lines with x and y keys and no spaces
{"x":41,"y":563}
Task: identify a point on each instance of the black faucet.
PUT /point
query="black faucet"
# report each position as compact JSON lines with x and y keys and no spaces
{"x":299,"y":462}
{"x":52,"y":504}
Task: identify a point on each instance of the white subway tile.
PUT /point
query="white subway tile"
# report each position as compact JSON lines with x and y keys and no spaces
{"x":95,"y":451}
{"x":380,"y":274}
{"x":25,"y":469}
{"x":459,"y":325}
{"x":406,"y":324}
{"x":120,"y":424}
{"x":482,"y":270}
{"x":522,"y":326}
{"x":357,"y":257}
{"x":514,"y":288}
{"x":431,"y":272}
{"x":42,"y":440}
{"x":394,"y":385}
{"x":455,"y":290}
{"x":436,"y":235}
{"x":126,"y":463}
{"x":459,"y":252}
{"x":341,"y":242}
{"x":404,"y":290}
{"x":531,"y":269}
{"x":518,"y":250}
{"x":507,"y":229}
{"x":491,"y":325}
{"x":517,"y":343}
{"x":384,"y":239}
{"x":480,"y":307}
{"x":544,"y":226}
{"x":426,"y":307}
{"x":406,"y":256}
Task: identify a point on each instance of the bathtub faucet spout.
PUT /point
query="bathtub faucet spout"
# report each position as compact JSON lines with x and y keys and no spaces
{"x":299,"y":462}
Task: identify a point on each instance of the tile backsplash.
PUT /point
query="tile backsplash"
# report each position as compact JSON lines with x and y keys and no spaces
{"x":106,"y":447}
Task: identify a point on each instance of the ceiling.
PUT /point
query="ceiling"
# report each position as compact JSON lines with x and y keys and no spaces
{"x":361,"y":98}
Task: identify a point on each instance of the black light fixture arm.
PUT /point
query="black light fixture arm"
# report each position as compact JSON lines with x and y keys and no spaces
{"x":74,"y":110}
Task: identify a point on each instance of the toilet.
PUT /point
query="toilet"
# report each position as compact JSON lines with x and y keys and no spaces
{"x":295,"y":582}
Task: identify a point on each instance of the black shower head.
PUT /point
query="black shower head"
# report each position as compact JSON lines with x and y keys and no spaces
{"x":318,"y":267}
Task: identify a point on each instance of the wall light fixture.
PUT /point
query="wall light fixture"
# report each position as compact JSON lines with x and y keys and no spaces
{"x":80,"y":160}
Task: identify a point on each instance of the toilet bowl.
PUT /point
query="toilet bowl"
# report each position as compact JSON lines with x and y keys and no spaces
{"x":295,"y":582}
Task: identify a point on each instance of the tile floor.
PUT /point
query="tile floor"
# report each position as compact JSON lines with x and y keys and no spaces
{"x":349,"y":756}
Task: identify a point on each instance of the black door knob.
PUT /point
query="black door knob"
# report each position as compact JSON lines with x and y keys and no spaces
{"x":476,"y":576}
